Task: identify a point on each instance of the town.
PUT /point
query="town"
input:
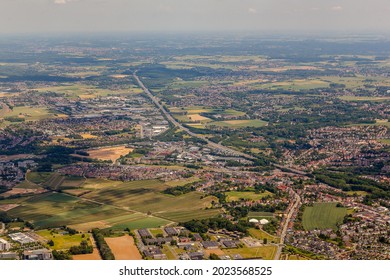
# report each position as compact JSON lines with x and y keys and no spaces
{"x":133,"y":150}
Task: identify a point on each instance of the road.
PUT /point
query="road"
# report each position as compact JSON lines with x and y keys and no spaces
{"x":179,"y":125}
{"x":294,"y":208}
{"x":227,"y":150}
{"x":211,"y":144}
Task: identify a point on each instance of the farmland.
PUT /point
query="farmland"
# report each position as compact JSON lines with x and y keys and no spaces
{"x":323,"y":216}
{"x":55,"y":209}
{"x":364,"y":98}
{"x":123,"y":248}
{"x":109,"y":153}
{"x":239,"y":123}
{"x":146,"y":197}
{"x":235,"y":195}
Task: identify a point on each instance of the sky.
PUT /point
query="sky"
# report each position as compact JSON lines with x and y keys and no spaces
{"x":48,"y":16}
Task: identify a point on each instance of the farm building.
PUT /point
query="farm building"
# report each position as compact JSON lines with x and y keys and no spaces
{"x":255,"y":221}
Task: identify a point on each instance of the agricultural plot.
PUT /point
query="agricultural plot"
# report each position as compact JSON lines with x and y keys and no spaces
{"x":198,"y":118}
{"x":385,"y":141}
{"x":109,"y":153}
{"x":239,"y":123}
{"x":29,"y":113}
{"x":81,"y":91}
{"x":186,"y":112}
{"x":27,"y":185}
{"x":146,"y":222}
{"x":377,"y":122}
{"x":323,"y":216}
{"x":183,"y":216}
{"x":364,"y":98}
{"x":147,"y":197}
{"x":182,"y":182}
{"x":56,"y":209}
{"x":54,"y":181}
{"x":293,"y":85}
{"x":235,"y":196}
{"x":123,"y":248}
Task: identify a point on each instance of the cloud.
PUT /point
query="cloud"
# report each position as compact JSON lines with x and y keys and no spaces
{"x":252,"y":11}
{"x":337,"y":8}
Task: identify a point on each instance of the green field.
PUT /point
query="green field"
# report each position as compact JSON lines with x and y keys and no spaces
{"x":183,"y":215}
{"x":378,"y":122}
{"x":294,"y":85}
{"x":235,"y":195}
{"x":147,"y":197}
{"x":29,"y":113}
{"x":63,"y":242}
{"x":182,"y":182}
{"x":256,"y":215}
{"x":364,"y":98}
{"x":260,"y":234}
{"x":83,"y":91}
{"x":148,"y":222}
{"x":54,"y":181}
{"x":27,"y":185}
{"x":385,"y":141}
{"x":239,"y":123}
{"x":38,"y":177}
{"x":323,"y":216}
{"x":264,"y":252}
{"x":201,"y":109}
{"x":56,"y":209}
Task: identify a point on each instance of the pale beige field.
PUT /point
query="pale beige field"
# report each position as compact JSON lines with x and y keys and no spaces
{"x":88,"y":226}
{"x":88,"y":136}
{"x":88,"y":257}
{"x":119,"y":76}
{"x":110,"y":153}
{"x":197,"y":117}
{"x":123,"y":248}
{"x":218,"y":252}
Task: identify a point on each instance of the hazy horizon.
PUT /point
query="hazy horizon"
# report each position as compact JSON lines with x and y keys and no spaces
{"x":282,"y":16}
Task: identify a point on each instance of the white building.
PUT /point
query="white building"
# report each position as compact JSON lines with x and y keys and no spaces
{"x":264,"y":221}
{"x":4,"y":245}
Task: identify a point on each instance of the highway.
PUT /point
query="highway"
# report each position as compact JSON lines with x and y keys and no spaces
{"x":209,"y":143}
{"x":231,"y":151}
{"x":179,"y":125}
